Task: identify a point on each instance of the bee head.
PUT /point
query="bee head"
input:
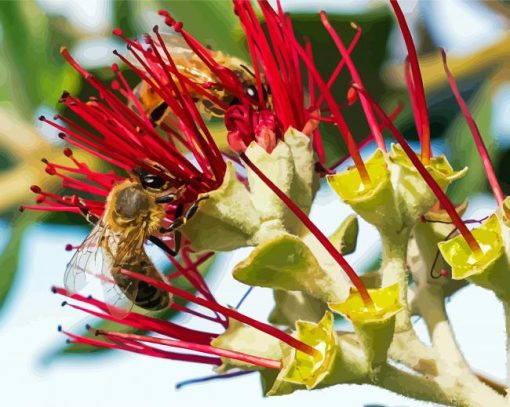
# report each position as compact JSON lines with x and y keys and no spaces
{"x":248,"y":79}
{"x":152,"y":182}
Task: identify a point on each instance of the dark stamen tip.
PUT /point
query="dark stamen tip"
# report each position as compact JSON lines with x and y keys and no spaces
{"x":21,"y":208}
{"x":59,"y":328}
{"x":68,"y":341}
{"x":42,"y":117}
{"x":64,"y":303}
{"x":62,"y":135}
{"x":44,"y":160}
{"x":53,"y":289}
{"x":69,"y":247}
{"x":65,"y":94}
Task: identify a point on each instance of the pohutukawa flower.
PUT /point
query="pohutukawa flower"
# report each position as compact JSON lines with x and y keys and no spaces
{"x":127,"y":139}
{"x":173,"y":335}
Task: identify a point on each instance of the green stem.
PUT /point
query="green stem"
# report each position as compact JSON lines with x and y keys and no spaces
{"x":465,"y":393}
{"x":394,"y":270}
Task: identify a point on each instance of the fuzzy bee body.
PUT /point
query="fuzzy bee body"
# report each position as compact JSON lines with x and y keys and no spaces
{"x":191,"y":66}
{"x":116,"y":243}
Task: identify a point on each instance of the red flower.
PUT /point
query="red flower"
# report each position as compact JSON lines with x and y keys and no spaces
{"x":170,"y":334}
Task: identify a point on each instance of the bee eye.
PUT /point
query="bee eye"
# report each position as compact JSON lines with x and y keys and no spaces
{"x":251,"y":91}
{"x":151,"y":181}
{"x":158,"y":112}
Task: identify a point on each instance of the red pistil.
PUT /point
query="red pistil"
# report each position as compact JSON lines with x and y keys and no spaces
{"x":418,"y":91}
{"x":372,"y":122}
{"x":337,"y":116}
{"x":315,"y":231}
{"x":341,"y":64}
{"x":270,"y":330}
{"x":137,"y":347}
{"x":431,"y":182}
{"x":480,"y":145}
{"x":225,"y":353}
{"x":137,"y":321}
{"x":369,"y":138}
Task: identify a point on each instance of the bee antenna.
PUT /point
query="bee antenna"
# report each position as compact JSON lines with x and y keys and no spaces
{"x":248,"y":70}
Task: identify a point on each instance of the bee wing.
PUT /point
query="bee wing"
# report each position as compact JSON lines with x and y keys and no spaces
{"x":175,"y":43}
{"x":86,"y":263}
{"x":118,"y":304}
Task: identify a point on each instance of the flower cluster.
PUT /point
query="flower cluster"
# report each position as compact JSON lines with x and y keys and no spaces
{"x":261,"y":196}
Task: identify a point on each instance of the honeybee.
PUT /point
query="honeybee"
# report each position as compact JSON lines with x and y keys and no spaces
{"x":190,"y":65}
{"x":134,"y":212}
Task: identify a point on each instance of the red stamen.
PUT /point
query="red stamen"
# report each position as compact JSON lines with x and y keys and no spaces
{"x":431,"y":182}
{"x":339,"y":120}
{"x":372,"y":122}
{"x":243,"y":357}
{"x":142,"y":349}
{"x":419,"y":91}
{"x":315,"y":231}
{"x":270,"y":330}
{"x":480,"y":145}
{"x":369,"y":138}
{"x":341,"y":64}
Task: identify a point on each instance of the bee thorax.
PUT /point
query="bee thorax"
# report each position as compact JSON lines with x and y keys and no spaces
{"x":131,"y":201}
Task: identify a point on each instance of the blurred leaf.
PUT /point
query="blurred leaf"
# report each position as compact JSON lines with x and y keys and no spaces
{"x":123,"y":15}
{"x":179,"y":282}
{"x":368,"y":56}
{"x":212,"y":22}
{"x":462,"y":145}
{"x":37,"y":73}
{"x":9,"y":258}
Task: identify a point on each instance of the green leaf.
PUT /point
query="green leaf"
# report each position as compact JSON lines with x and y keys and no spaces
{"x":28,"y":37}
{"x":212,"y":22}
{"x":9,"y":258}
{"x":462,"y":145}
{"x":368,"y":56}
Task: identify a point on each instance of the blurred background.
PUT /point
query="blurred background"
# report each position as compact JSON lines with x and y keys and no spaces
{"x":36,"y":366}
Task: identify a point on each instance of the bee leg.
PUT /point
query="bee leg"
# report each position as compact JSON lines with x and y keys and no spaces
{"x":89,"y":216}
{"x":165,"y":199}
{"x":193,"y":209}
{"x":158,"y":242}
{"x":182,"y":219}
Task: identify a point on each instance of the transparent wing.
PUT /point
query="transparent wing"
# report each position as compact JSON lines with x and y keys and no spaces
{"x":175,"y":43}
{"x":91,"y":268}
{"x":118,"y":303}
{"x":86,"y":263}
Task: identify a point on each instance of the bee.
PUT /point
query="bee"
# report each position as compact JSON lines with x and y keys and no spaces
{"x":191,"y":66}
{"x":134,"y":213}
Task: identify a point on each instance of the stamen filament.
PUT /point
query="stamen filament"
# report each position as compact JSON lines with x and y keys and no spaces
{"x":315,"y":231}
{"x":431,"y":182}
{"x":480,"y":145}
{"x":212,"y":350}
{"x":372,"y":122}
{"x":270,"y":330}
{"x":423,"y":126}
